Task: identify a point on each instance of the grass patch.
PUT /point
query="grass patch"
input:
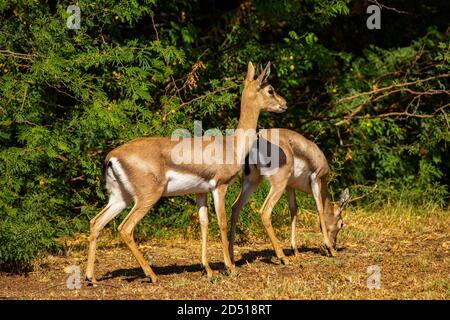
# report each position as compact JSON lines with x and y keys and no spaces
{"x":411,"y":248}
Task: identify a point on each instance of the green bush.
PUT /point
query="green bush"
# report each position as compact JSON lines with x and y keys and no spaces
{"x":24,"y":239}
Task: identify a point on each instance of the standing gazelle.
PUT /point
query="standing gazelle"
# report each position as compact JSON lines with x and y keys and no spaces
{"x":305,"y":168}
{"x":143,"y":170}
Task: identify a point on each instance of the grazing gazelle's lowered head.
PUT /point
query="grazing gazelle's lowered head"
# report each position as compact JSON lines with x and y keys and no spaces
{"x":333,"y":217}
{"x":144,"y":170}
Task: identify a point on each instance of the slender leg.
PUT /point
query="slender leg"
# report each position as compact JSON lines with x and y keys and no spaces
{"x":219,"y":204}
{"x":203,"y":216}
{"x":316,"y":186}
{"x":266,"y":211}
{"x":114,"y":207}
{"x":249,"y":185}
{"x":127,"y":226}
{"x":293,"y":209}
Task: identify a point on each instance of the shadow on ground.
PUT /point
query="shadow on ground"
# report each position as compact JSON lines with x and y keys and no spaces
{"x":265,"y":256}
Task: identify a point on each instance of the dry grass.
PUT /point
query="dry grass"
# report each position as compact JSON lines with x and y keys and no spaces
{"x":410,"y":246}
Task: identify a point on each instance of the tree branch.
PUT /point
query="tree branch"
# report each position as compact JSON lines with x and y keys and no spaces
{"x":421,"y":93}
{"x":25,"y":56}
{"x":206,"y":95}
{"x":404,"y":113}
{"x":393,"y":86}
{"x":154,"y":27}
{"x":382,"y":6}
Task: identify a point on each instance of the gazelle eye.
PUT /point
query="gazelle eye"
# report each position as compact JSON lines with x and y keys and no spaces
{"x":270,"y":91}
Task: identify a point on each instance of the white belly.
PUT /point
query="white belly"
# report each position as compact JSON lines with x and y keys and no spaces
{"x":300,"y":177}
{"x":183,"y":183}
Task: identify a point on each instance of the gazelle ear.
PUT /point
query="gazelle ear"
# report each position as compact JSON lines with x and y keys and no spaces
{"x":264,"y":75}
{"x":250,"y":72}
{"x":345,"y":197}
{"x":259,"y":69}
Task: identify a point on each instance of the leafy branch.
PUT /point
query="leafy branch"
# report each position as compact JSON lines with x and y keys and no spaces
{"x":397,"y":85}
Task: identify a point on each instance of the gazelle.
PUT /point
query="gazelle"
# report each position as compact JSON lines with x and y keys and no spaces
{"x":305,"y":168}
{"x":143,"y":170}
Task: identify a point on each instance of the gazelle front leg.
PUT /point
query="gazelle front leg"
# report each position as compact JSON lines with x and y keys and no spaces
{"x":203,"y":217}
{"x":293,"y":209}
{"x":316,"y":186}
{"x":219,"y":204}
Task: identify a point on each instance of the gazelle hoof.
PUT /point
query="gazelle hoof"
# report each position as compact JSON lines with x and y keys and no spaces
{"x":91,"y":282}
{"x":230,"y":271}
{"x":150,"y":279}
{"x":284,"y":260}
{"x":329,"y":251}
{"x":208,"y":272}
{"x":279,"y":260}
{"x":332,"y":252}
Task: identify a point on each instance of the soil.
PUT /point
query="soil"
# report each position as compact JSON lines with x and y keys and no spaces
{"x":409,"y":252}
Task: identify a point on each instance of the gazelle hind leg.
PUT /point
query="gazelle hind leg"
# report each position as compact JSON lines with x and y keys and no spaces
{"x":249,"y":185}
{"x":126,"y":228}
{"x":293,"y":210}
{"x":203,"y":217}
{"x":266,"y":211}
{"x":115,"y":206}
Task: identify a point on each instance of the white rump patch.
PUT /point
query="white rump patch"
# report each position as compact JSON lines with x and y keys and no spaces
{"x":184,"y":183}
{"x":114,"y":173}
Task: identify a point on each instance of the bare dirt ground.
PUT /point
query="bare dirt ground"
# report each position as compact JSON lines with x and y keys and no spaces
{"x":410,"y":248}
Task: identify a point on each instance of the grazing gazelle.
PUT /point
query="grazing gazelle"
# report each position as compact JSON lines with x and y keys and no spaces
{"x":144,"y":170}
{"x":303,"y":167}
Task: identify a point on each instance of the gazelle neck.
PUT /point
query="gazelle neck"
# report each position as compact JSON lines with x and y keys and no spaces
{"x":249,"y":115}
{"x":246,"y":130}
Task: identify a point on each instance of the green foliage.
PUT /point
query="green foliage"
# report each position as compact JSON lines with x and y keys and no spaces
{"x":23,"y":239}
{"x":68,"y":97}
{"x":399,"y":136}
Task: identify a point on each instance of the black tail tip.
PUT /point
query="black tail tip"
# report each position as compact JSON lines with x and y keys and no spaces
{"x":106,"y":165}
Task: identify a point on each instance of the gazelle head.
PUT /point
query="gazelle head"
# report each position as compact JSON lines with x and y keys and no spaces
{"x":260,"y":92}
{"x":333,"y":218}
